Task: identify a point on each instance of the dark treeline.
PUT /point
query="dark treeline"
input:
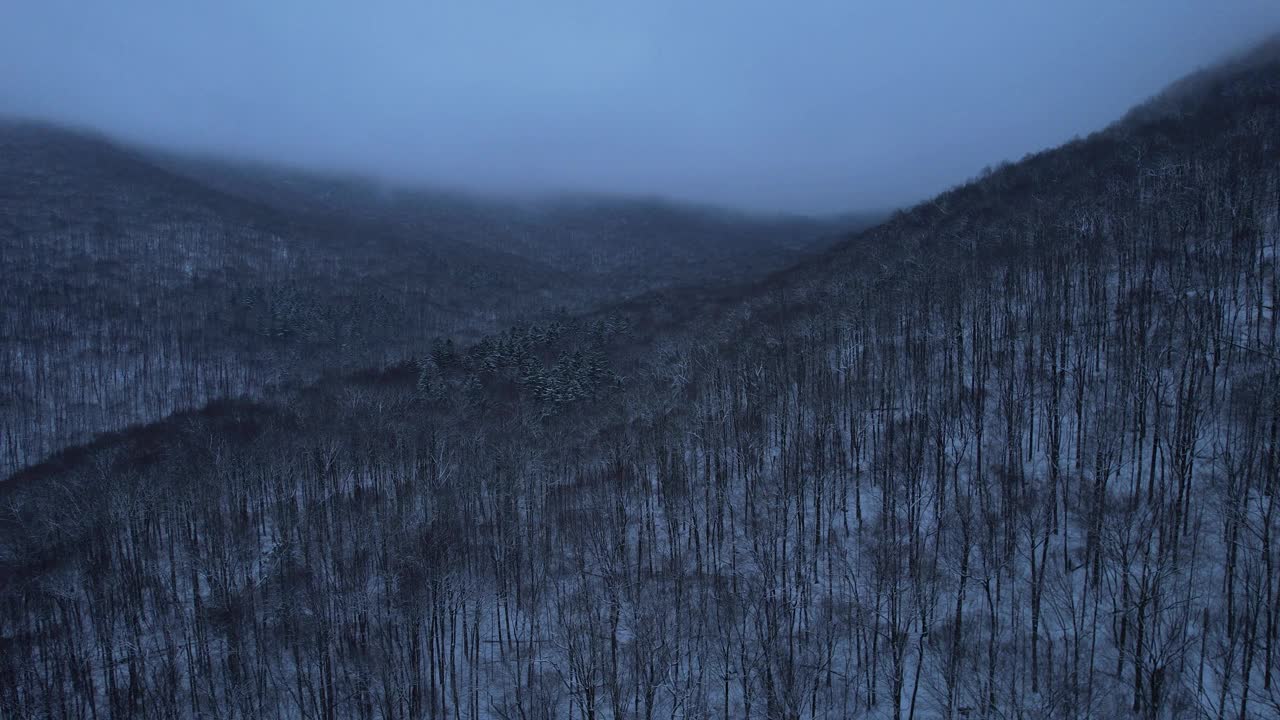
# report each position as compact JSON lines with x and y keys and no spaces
{"x":1011,"y":454}
{"x":137,"y":286}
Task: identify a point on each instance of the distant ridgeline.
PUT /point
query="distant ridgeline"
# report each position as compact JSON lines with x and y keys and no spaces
{"x":138,"y":285}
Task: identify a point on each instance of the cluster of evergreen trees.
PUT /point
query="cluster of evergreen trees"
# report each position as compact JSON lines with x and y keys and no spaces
{"x":555,"y":364}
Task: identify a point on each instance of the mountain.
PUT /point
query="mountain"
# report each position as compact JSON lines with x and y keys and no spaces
{"x":1011,"y":453}
{"x":142,"y":283}
{"x":648,"y":242}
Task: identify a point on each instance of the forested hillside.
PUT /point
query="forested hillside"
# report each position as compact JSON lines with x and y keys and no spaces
{"x":138,"y":284}
{"x":639,"y":243}
{"x":1012,"y":453}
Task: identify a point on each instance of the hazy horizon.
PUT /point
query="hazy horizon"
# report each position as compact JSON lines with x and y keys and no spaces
{"x":757,"y":106}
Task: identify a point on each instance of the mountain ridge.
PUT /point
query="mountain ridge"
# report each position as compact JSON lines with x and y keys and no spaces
{"x":244,"y":291}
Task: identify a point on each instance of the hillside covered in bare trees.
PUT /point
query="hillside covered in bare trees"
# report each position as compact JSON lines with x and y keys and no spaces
{"x":139,"y":284}
{"x":1014,"y":452}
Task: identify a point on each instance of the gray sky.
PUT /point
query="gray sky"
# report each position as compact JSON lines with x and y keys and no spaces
{"x":802,"y":105}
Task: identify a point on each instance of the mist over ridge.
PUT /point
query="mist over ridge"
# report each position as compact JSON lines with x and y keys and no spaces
{"x":819,"y":107}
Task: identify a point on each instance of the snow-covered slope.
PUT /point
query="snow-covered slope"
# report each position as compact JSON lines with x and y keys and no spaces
{"x":1013,"y":453}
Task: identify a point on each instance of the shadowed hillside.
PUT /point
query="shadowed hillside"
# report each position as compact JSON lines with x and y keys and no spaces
{"x":138,"y":285}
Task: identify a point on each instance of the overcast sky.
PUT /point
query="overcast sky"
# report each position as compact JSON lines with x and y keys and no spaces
{"x":800,"y":105}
